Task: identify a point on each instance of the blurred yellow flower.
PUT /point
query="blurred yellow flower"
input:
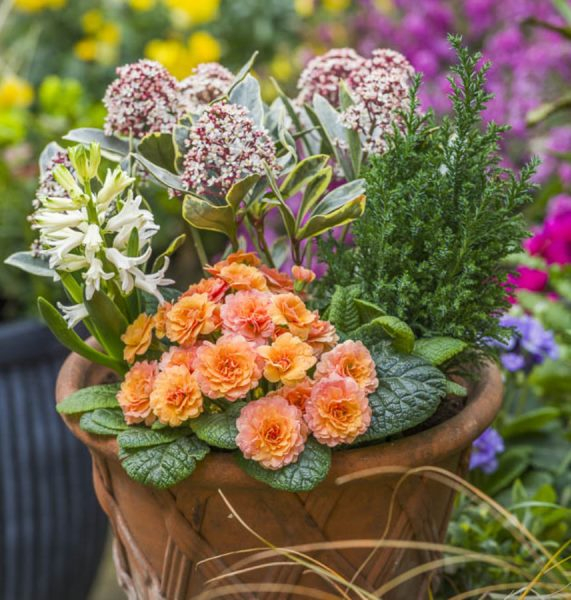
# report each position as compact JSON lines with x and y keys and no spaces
{"x":15,"y":92}
{"x":385,"y":6}
{"x":203,"y":48}
{"x":281,"y":67}
{"x":86,"y":49}
{"x":269,"y":93}
{"x":172,"y":54}
{"x":304,"y":8}
{"x":109,"y":34}
{"x":92,"y":21}
{"x":194,"y":12}
{"x":37,"y":5}
{"x":336,"y":5}
{"x":142,"y":5}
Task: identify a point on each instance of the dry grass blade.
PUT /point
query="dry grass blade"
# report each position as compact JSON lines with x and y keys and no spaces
{"x":550,"y":588}
{"x":296,"y":590}
{"x":552,"y":563}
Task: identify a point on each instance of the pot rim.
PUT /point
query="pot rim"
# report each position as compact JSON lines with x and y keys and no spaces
{"x":425,"y":448}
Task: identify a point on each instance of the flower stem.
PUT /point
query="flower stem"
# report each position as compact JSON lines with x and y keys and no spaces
{"x":199,"y":246}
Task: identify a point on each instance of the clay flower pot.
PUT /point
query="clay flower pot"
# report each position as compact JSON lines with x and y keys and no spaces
{"x":162,"y":535}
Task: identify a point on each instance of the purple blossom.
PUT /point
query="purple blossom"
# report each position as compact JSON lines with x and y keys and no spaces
{"x":485,"y":450}
{"x":529,"y":345}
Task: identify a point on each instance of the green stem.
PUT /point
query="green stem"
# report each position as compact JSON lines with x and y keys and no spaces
{"x":199,"y":246}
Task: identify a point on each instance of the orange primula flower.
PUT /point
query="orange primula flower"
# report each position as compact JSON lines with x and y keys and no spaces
{"x":239,"y":257}
{"x":135,"y":392}
{"x":161,"y":319}
{"x":176,"y":397}
{"x":271,"y":432}
{"x":296,"y":395}
{"x":228,"y":369}
{"x":246,"y":313}
{"x":302,"y":274}
{"x":337,"y":411}
{"x":288,"y":310}
{"x":179,"y":355}
{"x":287,"y":360}
{"x":350,"y":359}
{"x":322,"y":336}
{"x":278,"y":282}
{"x":214,"y":287}
{"x":243,"y":277}
{"x":138,"y":337}
{"x":190,"y":317}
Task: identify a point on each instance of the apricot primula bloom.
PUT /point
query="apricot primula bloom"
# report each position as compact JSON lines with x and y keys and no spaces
{"x":176,"y":397}
{"x":287,"y":360}
{"x":277,"y":281}
{"x":239,"y":257}
{"x":135,"y":392}
{"x":178,"y":355}
{"x":161,"y":319}
{"x":190,"y":317}
{"x":350,"y":359}
{"x":302,"y":274}
{"x":214,"y":288}
{"x":271,"y":432}
{"x":138,"y":337}
{"x":246,"y":313}
{"x":337,"y":411}
{"x":288,"y":310}
{"x":243,"y":277}
{"x":228,"y":369}
{"x":322,"y":336}
{"x":296,"y":395}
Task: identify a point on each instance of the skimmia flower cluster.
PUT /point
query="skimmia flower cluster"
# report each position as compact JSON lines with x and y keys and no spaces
{"x":207,"y":82}
{"x":87,"y":233}
{"x":223,"y":146}
{"x":243,"y":336}
{"x":378,"y":88}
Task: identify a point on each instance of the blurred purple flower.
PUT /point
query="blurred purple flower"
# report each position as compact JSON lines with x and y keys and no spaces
{"x":529,"y":345}
{"x":485,"y":450}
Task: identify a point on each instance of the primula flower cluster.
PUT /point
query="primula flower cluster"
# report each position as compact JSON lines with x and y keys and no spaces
{"x":243,"y":335}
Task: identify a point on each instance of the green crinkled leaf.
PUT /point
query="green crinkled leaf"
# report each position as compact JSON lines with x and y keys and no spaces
{"x":438,"y":350}
{"x":455,"y":389}
{"x":143,"y":437}
{"x":218,"y":429}
{"x":310,"y":469}
{"x":368,"y":311}
{"x":165,"y":465}
{"x":343,"y":312}
{"x":400,"y":334}
{"x":410,"y":390}
{"x":103,"y":421}
{"x":28,"y":262}
{"x":90,"y":398}
{"x":151,"y":304}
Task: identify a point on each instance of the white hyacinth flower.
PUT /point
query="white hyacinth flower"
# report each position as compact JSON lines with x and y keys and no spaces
{"x":92,"y":241}
{"x":93,"y":277}
{"x":73,"y":314}
{"x":131,"y":216}
{"x":126,"y":265}
{"x":115,"y":183}
{"x":61,"y":243}
{"x":48,"y":221}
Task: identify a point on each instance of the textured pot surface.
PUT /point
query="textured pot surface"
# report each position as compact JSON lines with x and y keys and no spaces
{"x":162,"y":535}
{"x":52,"y":530}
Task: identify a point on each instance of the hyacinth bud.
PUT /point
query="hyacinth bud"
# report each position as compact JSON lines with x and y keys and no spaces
{"x":115,"y":183}
{"x":67,"y":181}
{"x":85,"y":161}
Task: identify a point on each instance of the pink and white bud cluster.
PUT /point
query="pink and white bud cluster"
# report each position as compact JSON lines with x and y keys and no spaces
{"x":207,"y":82}
{"x":323,"y":74}
{"x":224,"y":146}
{"x":142,"y":100}
{"x":380,"y":89}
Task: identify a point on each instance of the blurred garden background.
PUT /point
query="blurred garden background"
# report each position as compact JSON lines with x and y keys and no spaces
{"x":58,"y":56}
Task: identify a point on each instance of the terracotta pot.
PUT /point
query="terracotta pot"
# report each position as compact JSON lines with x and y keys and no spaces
{"x":162,"y":535}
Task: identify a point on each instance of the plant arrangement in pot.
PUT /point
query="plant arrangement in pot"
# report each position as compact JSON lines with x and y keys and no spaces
{"x":264,"y":379}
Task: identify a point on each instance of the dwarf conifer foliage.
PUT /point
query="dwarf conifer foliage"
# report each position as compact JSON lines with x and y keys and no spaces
{"x":441,"y":216}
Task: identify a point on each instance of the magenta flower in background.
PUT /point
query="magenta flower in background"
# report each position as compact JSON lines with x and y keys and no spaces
{"x":552,"y":240}
{"x":485,"y":451}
